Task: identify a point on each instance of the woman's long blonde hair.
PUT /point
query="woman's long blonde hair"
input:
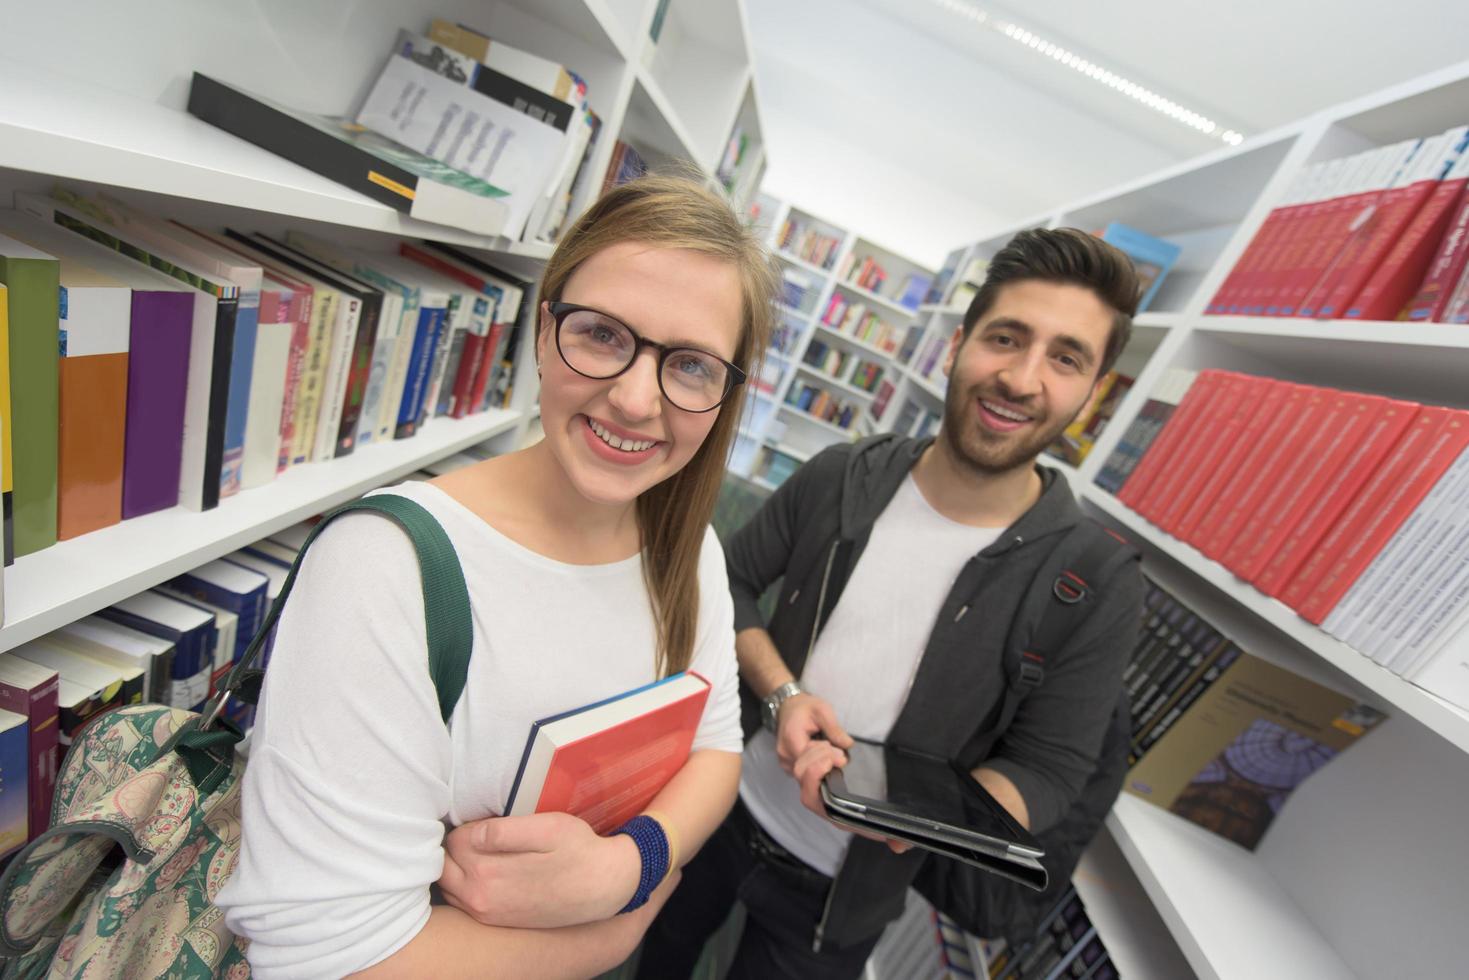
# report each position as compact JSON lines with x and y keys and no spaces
{"x":678,"y":212}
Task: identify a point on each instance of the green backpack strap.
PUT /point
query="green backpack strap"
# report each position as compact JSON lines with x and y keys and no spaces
{"x":445,"y":602}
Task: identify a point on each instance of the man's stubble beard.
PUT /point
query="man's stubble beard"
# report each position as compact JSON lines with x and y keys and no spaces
{"x":963,"y":435}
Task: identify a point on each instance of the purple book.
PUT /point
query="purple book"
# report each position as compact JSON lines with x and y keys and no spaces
{"x":158,"y":374}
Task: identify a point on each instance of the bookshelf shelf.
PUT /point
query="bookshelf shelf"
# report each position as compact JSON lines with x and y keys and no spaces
{"x":924,"y":385}
{"x":1153,"y":320}
{"x":878,"y":298}
{"x":1227,"y":914}
{"x":1137,"y":938}
{"x":1451,"y":336}
{"x":74,"y":578}
{"x":834,"y":383}
{"x":785,"y":450}
{"x":1446,"y":720}
{"x":807,"y":417}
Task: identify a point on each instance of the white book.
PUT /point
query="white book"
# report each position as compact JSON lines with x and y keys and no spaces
{"x":268,"y":379}
{"x":134,"y":643}
{"x":1431,"y":610}
{"x":466,"y":310}
{"x":193,"y":492}
{"x":107,"y":679}
{"x":467,"y":130}
{"x":152,"y":668}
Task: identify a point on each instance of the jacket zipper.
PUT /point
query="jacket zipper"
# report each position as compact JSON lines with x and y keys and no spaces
{"x":831,"y":889}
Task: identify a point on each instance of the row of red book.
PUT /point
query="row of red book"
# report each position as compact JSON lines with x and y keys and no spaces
{"x":1347,"y":507}
{"x":154,"y":364}
{"x":1379,"y":235}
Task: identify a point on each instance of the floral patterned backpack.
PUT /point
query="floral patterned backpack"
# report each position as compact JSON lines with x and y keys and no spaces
{"x":145,"y":825}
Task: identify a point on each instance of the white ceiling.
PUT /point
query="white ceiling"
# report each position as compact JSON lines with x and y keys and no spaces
{"x":920,"y":129}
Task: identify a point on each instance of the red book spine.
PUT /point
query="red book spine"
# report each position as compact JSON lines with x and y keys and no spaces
{"x":486,"y":367}
{"x":1444,"y":270}
{"x":298,"y":312}
{"x":1255,"y":413}
{"x":1160,"y":452}
{"x":1326,"y":410}
{"x":1251,"y":293}
{"x":1195,"y":427}
{"x":1200,"y":459}
{"x":1391,"y":286}
{"x":39,"y":705}
{"x":1395,"y":211}
{"x":1239,"y":498}
{"x":1386,"y":515}
{"x":1388,"y":420}
{"x":1296,"y":241}
{"x":1247,"y":263}
{"x":1388,"y":474}
{"x":474,"y":354}
{"x":1330,"y":240}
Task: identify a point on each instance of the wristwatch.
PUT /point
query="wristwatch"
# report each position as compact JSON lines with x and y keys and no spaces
{"x":770,"y":706}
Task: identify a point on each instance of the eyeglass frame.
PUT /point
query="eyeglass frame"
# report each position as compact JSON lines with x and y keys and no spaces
{"x":560,"y":311}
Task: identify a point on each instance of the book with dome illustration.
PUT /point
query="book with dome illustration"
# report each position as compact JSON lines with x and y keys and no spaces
{"x":1231,"y":761}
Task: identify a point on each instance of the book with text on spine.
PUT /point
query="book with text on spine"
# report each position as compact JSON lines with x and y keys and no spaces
{"x":606,"y":761}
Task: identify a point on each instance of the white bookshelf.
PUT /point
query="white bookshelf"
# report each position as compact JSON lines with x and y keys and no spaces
{"x":1315,"y":899}
{"x":111,"y":117}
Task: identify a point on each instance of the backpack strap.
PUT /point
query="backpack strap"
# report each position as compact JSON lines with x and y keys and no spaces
{"x":445,"y":605}
{"x":1061,"y":597}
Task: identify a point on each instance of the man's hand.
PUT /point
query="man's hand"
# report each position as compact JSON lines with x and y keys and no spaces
{"x":538,"y":872}
{"x":811,"y":768}
{"x":801,"y":718}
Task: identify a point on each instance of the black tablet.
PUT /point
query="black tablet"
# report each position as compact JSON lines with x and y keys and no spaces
{"x":932,"y":804}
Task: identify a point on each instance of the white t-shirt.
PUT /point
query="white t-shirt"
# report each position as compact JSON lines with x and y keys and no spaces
{"x":866,"y":658}
{"x":352,"y":772}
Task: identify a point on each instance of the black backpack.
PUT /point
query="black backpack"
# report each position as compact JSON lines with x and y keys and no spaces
{"x":1061,"y":597}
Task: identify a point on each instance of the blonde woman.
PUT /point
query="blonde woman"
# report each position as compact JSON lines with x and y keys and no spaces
{"x":591,"y":570}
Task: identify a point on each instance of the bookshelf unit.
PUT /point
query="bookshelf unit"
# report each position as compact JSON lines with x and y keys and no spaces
{"x":112,"y":118}
{"x":1363,"y":872}
{"x":820,"y":263}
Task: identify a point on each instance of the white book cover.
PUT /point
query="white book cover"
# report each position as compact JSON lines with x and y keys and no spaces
{"x":1420,"y":563}
{"x":1446,"y":673}
{"x":334,"y":382}
{"x":467,"y":130}
{"x":1437,"y":604}
{"x":268,"y":381}
{"x":131,"y":659}
{"x":82,"y":670}
{"x":201,"y":357}
{"x":467,"y":309}
{"x":272,"y":570}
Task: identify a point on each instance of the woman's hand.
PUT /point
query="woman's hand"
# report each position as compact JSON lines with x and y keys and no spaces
{"x":538,"y":872}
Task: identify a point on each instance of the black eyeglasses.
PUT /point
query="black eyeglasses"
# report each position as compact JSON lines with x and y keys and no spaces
{"x":596,"y":345}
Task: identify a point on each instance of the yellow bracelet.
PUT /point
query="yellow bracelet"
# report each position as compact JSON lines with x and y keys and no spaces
{"x":667,"y":826}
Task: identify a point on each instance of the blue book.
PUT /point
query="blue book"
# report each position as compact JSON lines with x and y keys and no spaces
{"x":189,"y":628}
{"x":425,"y":343}
{"x":1152,"y":257}
{"x":242,"y":367}
{"x":14,"y":771}
{"x":242,"y":591}
{"x":275,"y":570}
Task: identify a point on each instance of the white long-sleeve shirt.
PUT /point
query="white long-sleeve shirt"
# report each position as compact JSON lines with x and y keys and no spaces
{"x":352,"y":772}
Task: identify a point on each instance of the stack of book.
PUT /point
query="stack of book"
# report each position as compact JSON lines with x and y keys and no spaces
{"x":797,"y":286}
{"x":1066,"y":946}
{"x":865,"y":375}
{"x":856,"y":320}
{"x":1220,"y":736}
{"x":819,"y":403}
{"x":826,"y":358}
{"x":154,"y":364}
{"x":800,"y":238}
{"x":1379,"y":235}
{"x":1349,"y":508}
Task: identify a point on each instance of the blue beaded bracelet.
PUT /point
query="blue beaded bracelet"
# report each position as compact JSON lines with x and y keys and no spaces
{"x":648,"y":834}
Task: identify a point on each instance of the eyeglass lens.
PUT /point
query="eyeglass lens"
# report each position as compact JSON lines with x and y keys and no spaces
{"x":599,"y":347}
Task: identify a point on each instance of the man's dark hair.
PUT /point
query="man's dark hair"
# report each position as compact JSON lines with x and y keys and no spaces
{"x":1065,"y":255}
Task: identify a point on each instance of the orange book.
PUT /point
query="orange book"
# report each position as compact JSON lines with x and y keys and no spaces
{"x":605,"y":762}
{"x":96,"y":317}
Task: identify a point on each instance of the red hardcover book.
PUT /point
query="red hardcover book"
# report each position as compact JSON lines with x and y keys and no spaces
{"x":1331,"y":238}
{"x":1375,"y":525}
{"x":1406,"y":181}
{"x":605,"y":762}
{"x":1448,"y":263}
{"x":1295,"y":240}
{"x":1405,"y":266}
{"x":1328,"y":411}
{"x":479,"y":386}
{"x":1389,"y":419}
{"x":1242,"y":494}
{"x":1198,"y":461}
{"x":1243,"y":285}
{"x":1306,"y":197}
{"x":1155,"y":461}
{"x":1255,"y":414}
{"x":31,"y":690}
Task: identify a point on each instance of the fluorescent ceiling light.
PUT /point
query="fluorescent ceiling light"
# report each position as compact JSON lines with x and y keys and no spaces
{"x":1180,"y":114}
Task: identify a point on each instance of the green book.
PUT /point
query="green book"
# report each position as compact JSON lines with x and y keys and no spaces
{"x":33,"y":284}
